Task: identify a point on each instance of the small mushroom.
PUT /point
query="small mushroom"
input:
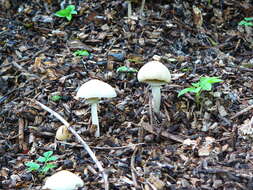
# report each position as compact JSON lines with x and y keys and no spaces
{"x":62,"y":133}
{"x":155,"y":74}
{"x":63,"y":180}
{"x":92,"y":91}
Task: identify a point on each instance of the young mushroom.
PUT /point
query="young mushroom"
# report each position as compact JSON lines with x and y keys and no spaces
{"x":62,"y":133}
{"x":92,"y":91}
{"x":155,"y":74}
{"x":63,"y":180}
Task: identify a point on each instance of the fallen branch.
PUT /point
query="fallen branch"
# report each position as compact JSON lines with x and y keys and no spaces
{"x":85,"y":145}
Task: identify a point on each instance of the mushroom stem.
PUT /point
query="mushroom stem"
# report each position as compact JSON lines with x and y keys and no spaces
{"x":94,"y":118}
{"x":129,"y":9}
{"x":142,"y":7}
{"x":156,"y":100}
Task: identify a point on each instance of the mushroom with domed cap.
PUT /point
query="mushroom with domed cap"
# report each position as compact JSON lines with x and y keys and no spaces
{"x":63,"y":180}
{"x":92,"y":91}
{"x":155,"y":74}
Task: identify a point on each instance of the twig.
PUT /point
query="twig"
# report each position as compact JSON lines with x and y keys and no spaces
{"x":85,"y":145}
{"x":104,"y":148}
{"x":242,"y":111}
{"x":22,"y":144}
{"x":133,"y":171}
{"x":166,"y":134}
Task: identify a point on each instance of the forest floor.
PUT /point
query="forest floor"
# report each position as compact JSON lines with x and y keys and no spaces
{"x":188,"y":145}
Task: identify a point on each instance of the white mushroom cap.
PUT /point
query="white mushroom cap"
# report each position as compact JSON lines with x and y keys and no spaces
{"x":62,"y":133}
{"x":63,"y":180}
{"x":94,"y":89}
{"x":154,"y":72}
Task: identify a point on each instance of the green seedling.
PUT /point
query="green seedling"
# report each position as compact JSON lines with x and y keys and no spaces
{"x":81,"y":53}
{"x":247,"y":21}
{"x":56,"y":98}
{"x":44,"y":166}
{"x":136,"y":60}
{"x":204,"y":84}
{"x":125,"y":69}
{"x":67,"y":12}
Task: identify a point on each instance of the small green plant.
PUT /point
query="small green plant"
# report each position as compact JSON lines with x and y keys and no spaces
{"x":247,"y":21}
{"x":44,"y":166}
{"x":67,"y":12}
{"x":135,"y":60}
{"x":56,"y":98}
{"x":81,"y":53}
{"x":204,"y":84}
{"x":125,"y":69}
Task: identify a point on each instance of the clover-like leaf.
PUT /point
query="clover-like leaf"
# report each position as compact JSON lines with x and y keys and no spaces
{"x":32,"y":166}
{"x":41,"y":159}
{"x":48,"y":154}
{"x":67,"y":12}
{"x":52,"y":158}
{"x":47,"y":167}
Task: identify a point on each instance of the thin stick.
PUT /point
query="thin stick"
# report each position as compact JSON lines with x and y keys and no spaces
{"x":242,"y":111}
{"x":85,"y":145}
{"x":133,"y":170}
{"x":104,"y":148}
{"x":21,"y":136}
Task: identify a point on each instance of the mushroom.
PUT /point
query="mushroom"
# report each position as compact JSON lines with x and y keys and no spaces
{"x":92,"y":91}
{"x":155,"y":74}
{"x":62,"y":133}
{"x":63,"y":180}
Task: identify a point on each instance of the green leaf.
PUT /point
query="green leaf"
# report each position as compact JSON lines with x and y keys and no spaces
{"x":186,"y":90}
{"x":81,"y":53}
{"x":210,"y":80}
{"x":47,"y":167}
{"x":126,"y":69}
{"x":196,"y":84}
{"x":69,"y":17}
{"x":196,"y":90}
{"x":67,"y":12}
{"x":52,"y":158}
{"x":206,"y":82}
{"x":62,"y":13}
{"x":206,"y":86}
{"x":245,"y":23}
{"x":71,"y":8}
{"x":41,"y":159}
{"x":248,"y":18}
{"x":32,"y":166}
{"x":74,"y":12}
{"x":48,"y":154}
{"x":56,"y":98}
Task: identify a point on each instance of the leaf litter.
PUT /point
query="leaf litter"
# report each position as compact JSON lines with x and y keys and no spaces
{"x":184,"y":147}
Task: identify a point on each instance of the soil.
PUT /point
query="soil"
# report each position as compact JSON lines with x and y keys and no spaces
{"x":187,"y":145}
